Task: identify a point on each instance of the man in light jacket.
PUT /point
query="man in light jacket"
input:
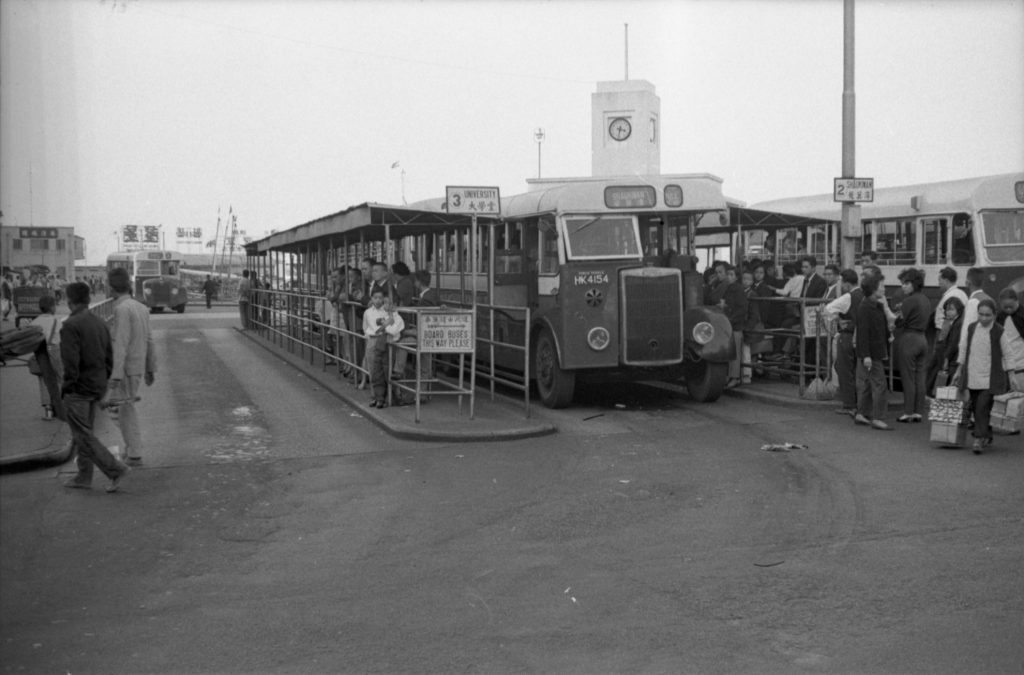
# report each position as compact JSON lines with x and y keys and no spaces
{"x":134,"y":359}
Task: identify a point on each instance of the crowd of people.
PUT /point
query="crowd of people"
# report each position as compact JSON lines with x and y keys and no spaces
{"x":977,"y":341}
{"x":368,"y":295}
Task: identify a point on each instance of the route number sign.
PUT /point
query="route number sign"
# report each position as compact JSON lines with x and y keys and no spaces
{"x":853,"y":190}
{"x":476,"y":201}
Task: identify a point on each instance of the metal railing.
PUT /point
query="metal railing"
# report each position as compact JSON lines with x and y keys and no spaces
{"x":802,"y":344}
{"x":299,"y":323}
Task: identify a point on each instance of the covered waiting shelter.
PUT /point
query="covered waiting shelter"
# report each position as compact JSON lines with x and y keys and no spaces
{"x":302,"y":256}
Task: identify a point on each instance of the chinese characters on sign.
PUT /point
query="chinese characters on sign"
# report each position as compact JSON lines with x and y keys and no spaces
{"x":189,"y":233}
{"x":447,"y":333}
{"x":481,"y":201}
{"x":38,"y":233}
{"x":853,"y":190}
{"x":140,"y":237}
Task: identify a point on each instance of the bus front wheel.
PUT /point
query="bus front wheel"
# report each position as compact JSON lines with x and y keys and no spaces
{"x":706,"y":380}
{"x":180,"y":309}
{"x":555,"y":386}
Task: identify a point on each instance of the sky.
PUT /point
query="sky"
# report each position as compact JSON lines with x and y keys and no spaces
{"x":161,"y":112}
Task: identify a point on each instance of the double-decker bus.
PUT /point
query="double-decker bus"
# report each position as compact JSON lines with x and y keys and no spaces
{"x":972,"y":222}
{"x":155,"y":278}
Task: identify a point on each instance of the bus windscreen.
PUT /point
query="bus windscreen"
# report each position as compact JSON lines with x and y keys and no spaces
{"x":1004,"y":235}
{"x":602,"y":237}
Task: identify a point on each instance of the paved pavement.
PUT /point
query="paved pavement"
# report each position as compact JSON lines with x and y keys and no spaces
{"x":28,"y":441}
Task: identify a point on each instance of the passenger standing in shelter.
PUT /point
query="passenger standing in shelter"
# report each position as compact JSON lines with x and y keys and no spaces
{"x":913,"y":346}
{"x":734,"y":303}
{"x":134,"y":360}
{"x":380,"y":324}
{"x":872,"y":351}
{"x":87,"y":358}
{"x":51,"y":371}
{"x":244,"y":298}
{"x":844,"y":311}
{"x":947,"y":284}
{"x":1012,"y":321}
{"x":982,"y":372}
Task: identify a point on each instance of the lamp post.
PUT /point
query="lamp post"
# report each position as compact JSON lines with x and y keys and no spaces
{"x":538,"y":135}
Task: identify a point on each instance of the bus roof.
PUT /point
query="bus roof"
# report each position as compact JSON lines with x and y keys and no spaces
{"x":144,"y":255}
{"x":701,"y":192}
{"x":953,"y":196}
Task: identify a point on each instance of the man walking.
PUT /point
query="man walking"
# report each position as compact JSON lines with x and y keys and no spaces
{"x":209,"y":290}
{"x":87,"y":357}
{"x":134,"y":358}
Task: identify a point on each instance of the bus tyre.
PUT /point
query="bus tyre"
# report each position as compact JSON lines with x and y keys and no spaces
{"x":706,"y":380}
{"x":180,"y":309}
{"x":554,"y":385}
{"x":155,"y":310}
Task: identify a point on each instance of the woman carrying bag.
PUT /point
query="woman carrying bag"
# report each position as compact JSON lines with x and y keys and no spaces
{"x":982,"y":373}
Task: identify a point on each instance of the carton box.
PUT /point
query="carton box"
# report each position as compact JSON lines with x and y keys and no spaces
{"x":947,"y":412}
{"x":949,"y":435}
{"x":1011,"y":404}
{"x":950,"y":394}
{"x":1005,"y":423}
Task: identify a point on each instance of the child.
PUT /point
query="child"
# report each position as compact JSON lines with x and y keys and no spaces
{"x":381,"y":324}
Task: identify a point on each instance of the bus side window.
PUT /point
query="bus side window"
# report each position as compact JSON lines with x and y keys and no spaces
{"x":936,"y":241}
{"x":548,"y":235}
{"x":963,"y":240}
{"x":895,"y":242}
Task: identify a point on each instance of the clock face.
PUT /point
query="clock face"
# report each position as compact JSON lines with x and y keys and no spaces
{"x":620,"y":129}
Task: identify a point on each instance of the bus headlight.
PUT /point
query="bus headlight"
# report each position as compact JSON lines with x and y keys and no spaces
{"x":147,"y":290}
{"x":703,"y":332}
{"x":174,"y":290}
{"x":598,"y":338}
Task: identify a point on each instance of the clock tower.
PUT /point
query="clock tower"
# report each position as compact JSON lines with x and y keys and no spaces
{"x":625,"y":129}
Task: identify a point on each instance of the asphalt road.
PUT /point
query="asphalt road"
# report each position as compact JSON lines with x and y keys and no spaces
{"x":272,"y":529}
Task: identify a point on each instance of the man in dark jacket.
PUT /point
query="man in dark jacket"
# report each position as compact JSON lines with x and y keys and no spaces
{"x":872,"y":351}
{"x":88,"y":359}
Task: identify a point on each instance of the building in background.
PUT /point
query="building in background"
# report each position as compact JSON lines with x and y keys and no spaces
{"x":32,"y":248}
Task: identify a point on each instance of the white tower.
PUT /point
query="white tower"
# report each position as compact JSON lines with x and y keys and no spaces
{"x":625,"y":129}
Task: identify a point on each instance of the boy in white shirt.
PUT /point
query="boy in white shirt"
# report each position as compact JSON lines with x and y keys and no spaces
{"x":381,"y":324}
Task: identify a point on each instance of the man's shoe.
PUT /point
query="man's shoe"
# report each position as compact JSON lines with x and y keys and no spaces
{"x":977,"y":447}
{"x":860,"y":419}
{"x":880,"y":425}
{"x":905,"y":419}
{"x":133,"y":461}
{"x":916,"y":418}
{"x":77,"y":484}
{"x":115,"y":482}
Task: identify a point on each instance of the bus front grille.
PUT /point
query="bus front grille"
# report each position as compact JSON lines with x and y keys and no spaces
{"x":652,"y":316}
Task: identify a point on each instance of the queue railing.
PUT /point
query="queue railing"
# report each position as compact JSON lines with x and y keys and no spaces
{"x":299,"y":322}
{"x":802,"y":343}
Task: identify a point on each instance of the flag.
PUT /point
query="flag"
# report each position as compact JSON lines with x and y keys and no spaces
{"x":395,"y":165}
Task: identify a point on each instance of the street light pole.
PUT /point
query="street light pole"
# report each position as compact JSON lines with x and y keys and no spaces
{"x":538,"y":135}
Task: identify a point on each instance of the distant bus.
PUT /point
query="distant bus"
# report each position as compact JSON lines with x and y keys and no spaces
{"x":155,"y":278}
{"x":972,"y":222}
